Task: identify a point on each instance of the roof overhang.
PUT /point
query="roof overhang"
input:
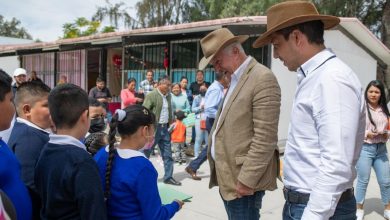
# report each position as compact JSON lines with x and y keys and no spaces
{"x":354,"y":29}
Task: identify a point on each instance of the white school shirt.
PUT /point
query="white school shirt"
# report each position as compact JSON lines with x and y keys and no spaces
{"x":233,"y":82}
{"x":164,"y":115}
{"x":326,"y":133}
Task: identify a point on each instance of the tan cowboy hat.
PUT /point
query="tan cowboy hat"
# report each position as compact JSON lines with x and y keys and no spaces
{"x":290,"y":13}
{"x":214,"y":42}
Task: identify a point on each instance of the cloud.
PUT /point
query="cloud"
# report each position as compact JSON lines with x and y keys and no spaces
{"x":43,"y":19}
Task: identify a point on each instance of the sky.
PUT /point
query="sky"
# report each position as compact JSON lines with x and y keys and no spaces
{"x":43,"y":19}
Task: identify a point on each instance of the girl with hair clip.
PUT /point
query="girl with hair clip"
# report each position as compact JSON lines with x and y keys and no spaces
{"x":129,"y":178}
{"x":374,"y":152}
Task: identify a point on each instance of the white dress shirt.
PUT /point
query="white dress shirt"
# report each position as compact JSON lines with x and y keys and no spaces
{"x":326,"y":133}
{"x":164,"y":115}
{"x":234,"y":80}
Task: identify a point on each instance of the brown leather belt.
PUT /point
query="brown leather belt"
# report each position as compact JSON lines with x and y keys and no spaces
{"x":303,"y":198}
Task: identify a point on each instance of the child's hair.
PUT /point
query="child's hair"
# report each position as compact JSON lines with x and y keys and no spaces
{"x":30,"y":93}
{"x":180,"y":115}
{"x":5,"y":84}
{"x":126,"y":122}
{"x":67,"y":102}
{"x":94,"y":102}
{"x":95,"y":141}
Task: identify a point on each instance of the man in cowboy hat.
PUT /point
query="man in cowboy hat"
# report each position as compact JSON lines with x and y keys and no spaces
{"x":243,"y":154}
{"x":327,"y":119}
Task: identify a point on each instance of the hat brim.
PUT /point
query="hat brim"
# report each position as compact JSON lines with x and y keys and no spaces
{"x":205,"y":61}
{"x":329,"y":22}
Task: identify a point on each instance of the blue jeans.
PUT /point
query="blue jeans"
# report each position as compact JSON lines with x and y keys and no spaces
{"x":197,"y":162}
{"x":373,"y":155}
{"x":245,"y":208}
{"x":202,"y":157}
{"x":163,"y":140}
{"x":201,"y":135}
{"x":344,"y":211}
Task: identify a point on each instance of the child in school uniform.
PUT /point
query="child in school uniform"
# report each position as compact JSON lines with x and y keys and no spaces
{"x":66,"y":176}
{"x":128,"y":177}
{"x":30,"y":134}
{"x":10,"y":182}
{"x":178,"y":137}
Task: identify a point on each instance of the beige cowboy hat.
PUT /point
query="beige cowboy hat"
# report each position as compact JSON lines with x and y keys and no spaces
{"x":215,"y":41}
{"x":290,"y":13}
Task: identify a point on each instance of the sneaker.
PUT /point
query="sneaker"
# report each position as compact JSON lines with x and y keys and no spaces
{"x":386,"y":214}
{"x":360,"y":214}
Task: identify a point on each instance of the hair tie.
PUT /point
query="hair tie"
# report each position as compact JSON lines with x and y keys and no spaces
{"x":121,"y":114}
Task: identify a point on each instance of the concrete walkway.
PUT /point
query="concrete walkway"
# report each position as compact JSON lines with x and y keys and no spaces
{"x":206,"y":203}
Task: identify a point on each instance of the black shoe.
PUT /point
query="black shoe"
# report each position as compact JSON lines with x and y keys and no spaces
{"x":172,"y":182}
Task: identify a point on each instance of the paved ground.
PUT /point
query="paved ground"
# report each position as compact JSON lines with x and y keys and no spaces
{"x":206,"y":203}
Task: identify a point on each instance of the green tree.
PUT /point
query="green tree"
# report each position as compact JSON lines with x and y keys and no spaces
{"x":11,"y":29}
{"x":116,"y":13}
{"x":83,"y":27}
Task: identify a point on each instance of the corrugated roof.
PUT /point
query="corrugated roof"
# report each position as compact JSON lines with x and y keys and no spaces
{"x":352,"y":25}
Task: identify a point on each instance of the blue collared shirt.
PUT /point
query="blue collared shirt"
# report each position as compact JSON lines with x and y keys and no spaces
{"x":213,"y":98}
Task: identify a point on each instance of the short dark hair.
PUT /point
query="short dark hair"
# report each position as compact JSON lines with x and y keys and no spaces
{"x":149,"y":71}
{"x":67,"y":102}
{"x":30,"y":93}
{"x":219,"y":75}
{"x":314,"y":30}
{"x":5,"y":84}
{"x":99,"y":80}
{"x":200,"y":71}
{"x":180,"y":115}
{"x":183,"y":77}
{"x":129,"y":80}
{"x":92,"y":102}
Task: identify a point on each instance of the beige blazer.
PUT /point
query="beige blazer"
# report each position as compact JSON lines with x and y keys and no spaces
{"x":247,"y":134}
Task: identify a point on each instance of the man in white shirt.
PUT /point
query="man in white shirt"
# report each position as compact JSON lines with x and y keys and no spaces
{"x":243,"y":154}
{"x":327,"y":119}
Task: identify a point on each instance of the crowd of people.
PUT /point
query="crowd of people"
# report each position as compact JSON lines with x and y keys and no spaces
{"x":59,"y":146}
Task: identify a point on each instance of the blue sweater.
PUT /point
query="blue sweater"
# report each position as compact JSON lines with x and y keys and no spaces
{"x":133,"y":189}
{"x":180,"y":102}
{"x":27,"y":142}
{"x":67,"y":180}
{"x":11,"y":183}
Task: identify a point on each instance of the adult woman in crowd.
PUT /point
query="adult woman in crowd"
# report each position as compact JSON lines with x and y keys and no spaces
{"x":128,"y":95}
{"x":198,"y":109}
{"x":184,"y":90}
{"x":179,"y":100}
{"x":374,"y":153}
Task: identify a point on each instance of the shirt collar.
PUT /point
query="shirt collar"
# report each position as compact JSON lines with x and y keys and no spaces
{"x":65,"y":140}
{"x":161,"y":93}
{"x":378,"y":109}
{"x":309,"y":66}
{"x":127,"y":153}
{"x":28,"y":123}
{"x":240,"y":70}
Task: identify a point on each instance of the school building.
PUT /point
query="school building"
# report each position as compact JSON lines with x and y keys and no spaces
{"x":175,"y":51}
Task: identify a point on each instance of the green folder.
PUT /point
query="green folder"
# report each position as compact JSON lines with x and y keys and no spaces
{"x":168,"y":194}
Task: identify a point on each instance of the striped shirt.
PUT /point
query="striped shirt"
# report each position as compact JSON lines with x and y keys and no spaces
{"x":381,"y":121}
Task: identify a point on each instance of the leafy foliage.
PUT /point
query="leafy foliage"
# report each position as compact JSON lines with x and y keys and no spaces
{"x":11,"y":29}
{"x":116,"y":13}
{"x":83,"y":27}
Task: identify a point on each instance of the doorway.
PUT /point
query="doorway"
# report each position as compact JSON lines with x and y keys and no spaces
{"x":93,"y":67}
